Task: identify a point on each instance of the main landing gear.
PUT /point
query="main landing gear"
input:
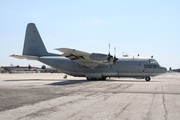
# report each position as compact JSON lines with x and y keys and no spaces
{"x":103,"y":78}
{"x":147,"y":78}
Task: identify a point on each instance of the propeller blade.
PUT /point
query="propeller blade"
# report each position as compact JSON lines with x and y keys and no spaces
{"x":109,"y":56}
{"x":115,"y":59}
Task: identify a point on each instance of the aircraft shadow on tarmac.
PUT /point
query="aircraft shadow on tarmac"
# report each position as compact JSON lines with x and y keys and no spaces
{"x":61,"y":82}
{"x":68,"y":82}
{"x":71,"y":81}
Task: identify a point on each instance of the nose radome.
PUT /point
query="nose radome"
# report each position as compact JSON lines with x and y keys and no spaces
{"x":163,"y":69}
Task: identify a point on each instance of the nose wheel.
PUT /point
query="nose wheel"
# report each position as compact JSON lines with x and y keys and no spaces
{"x":147,"y":78}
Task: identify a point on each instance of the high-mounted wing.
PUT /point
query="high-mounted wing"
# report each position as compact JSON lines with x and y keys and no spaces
{"x":80,"y":57}
{"x":90,"y":60}
{"x":74,"y":54}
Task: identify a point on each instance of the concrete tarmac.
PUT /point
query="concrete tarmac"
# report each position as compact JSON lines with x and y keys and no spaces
{"x":45,"y":96}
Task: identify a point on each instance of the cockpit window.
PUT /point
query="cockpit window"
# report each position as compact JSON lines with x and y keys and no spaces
{"x":152,"y":64}
{"x":153,"y":61}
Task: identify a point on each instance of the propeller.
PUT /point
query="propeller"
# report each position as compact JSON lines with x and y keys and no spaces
{"x":115,"y":59}
{"x":109,"y":56}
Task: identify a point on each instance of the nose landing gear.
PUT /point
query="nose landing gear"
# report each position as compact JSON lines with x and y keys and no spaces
{"x":147,"y":78}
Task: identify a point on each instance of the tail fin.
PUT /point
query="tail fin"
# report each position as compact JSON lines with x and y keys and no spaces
{"x":33,"y":44}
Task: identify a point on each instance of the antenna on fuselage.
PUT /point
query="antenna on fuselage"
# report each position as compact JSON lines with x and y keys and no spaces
{"x":114,"y":52}
{"x":109,"y":51}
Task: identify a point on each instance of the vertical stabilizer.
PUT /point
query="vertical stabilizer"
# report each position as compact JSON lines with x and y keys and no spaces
{"x":33,"y":44}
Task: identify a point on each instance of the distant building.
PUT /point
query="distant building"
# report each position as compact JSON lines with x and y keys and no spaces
{"x":26,"y":69}
{"x":18,"y":69}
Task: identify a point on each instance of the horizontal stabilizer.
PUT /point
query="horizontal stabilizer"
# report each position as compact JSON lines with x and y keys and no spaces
{"x":25,"y":57}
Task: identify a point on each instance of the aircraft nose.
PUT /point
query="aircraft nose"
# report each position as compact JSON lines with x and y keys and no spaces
{"x":163,"y":70}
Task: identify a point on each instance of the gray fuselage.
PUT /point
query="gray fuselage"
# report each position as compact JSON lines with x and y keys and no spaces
{"x":125,"y":67}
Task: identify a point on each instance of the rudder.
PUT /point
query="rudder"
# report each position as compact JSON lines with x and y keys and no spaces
{"x":33,"y":44}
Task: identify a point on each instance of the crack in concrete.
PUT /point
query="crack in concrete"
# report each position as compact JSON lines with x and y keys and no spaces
{"x":89,"y":117}
{"x":123,"y":109}
{"x":164,"y":105}
{"x":48,"y":110}
{"x":148,"y":115}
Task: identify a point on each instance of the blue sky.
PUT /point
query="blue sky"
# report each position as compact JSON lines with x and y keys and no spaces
{"x":145,"y":27}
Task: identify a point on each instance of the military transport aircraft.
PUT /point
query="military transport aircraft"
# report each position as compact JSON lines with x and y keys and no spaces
{"x":93,"y":66}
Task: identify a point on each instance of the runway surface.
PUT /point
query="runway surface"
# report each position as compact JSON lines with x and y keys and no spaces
{"x":45,"y":96}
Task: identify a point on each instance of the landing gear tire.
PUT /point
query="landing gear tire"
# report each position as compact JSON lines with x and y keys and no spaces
{"x":89,"y":78}
{"x":147,"y":78}
{"x":103,"y":78}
